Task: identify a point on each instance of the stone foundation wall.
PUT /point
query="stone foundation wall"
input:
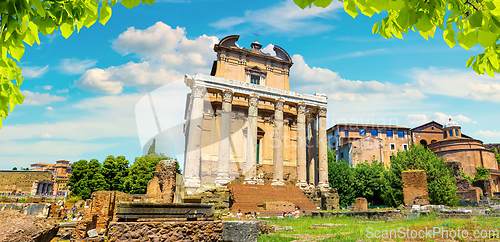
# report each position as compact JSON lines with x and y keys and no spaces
{"x":265,"y":174}
{"x":217,"y":196}
{"x":166,"y":231}
{"x":361,"y":205}
{"x":415,"y":187}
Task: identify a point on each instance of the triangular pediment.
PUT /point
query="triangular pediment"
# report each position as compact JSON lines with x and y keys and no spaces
{"x":428,"y":125}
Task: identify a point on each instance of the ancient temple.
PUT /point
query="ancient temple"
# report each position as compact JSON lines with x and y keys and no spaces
{"x":244,"y":124}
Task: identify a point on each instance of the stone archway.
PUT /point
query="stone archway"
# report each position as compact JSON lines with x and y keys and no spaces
{"x":423,"y":142}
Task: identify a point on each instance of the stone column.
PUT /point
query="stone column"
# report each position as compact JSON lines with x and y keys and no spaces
{"x":193,"y":146}
{"x":301,"y":146}
{"x":323,"y":159}
{"x":278,"y":143}
{"x":225,"y":142}
{"x":313,"y":150}
{"x":253,"y":101}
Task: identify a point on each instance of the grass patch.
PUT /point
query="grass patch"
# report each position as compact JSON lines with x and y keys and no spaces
{"x":73,"y":199}
{"x":358,"y":229}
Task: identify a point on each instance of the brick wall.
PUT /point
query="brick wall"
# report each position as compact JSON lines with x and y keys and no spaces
{"x":415,"y":187}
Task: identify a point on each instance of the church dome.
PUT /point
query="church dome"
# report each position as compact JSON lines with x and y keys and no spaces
{"x":451,"y":124}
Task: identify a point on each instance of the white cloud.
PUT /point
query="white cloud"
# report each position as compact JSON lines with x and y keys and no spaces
{"x":310,"y":80}
{"x":35,"y":98}
{"x":50,"y":148}
{"x":167,"y":54}
{"x":102,"y":117}
{"x":74,"y":66}
{"x":360,"y":53}
{"x":488,"y":133}
{"x":49,"y":108}
{"x":30,"y":72}
{"x":442,"y":118}
{"x":284,"y":17}
{"x":416,"y":119}
{"x":455,"y":83}
{"x":48,"y":87}
{"x":63,"y":90}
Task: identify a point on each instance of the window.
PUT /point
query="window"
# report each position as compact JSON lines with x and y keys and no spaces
{"x":393,"y":147}
{"x":456,"y":132}
{"x":374,"y":132}
{"x":346,"y":133}
{"x":362,"y":132}
{"x":450,"y":132}
{"x":255,"y":80}
{"x":389,"y":133}
{"x":341,"y":155}
{"x":405,"y":147}
{"x":445,"y":135}
{"x":401,"y":134}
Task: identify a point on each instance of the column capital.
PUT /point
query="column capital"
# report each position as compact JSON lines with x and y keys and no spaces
{"x":227,"y":96}
{"x":253,"y":100}
{"x":278,"y":104}
{"x":322,"y":112}
{"x":199,"y":91}
{"x":301,"y":108}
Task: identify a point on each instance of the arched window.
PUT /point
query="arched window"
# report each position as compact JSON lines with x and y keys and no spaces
{"x":423,"y":142}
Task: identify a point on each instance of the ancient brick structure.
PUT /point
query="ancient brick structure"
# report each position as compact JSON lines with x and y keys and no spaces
{"x":473,"y":194}
{"x":280,"y":207}
{"x":251,"y":198}
{"x":22,"y":182}
{"x":415,"y":187}
{"x":166,"y":231}
{"x":361,"y":205}
{"x":21,"y":227}
{"x":470,"y":153}
{"x":162,"y":186}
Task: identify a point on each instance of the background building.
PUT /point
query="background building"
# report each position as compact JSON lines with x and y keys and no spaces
{"x":60,"y":173}
{"x":356,"y":143}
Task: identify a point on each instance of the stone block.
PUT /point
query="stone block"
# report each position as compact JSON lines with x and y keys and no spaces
{"x":40,"y":210}
{"x":412,"y":215}
{"x":361,"y":205}
{"x":495,"y":208}
{"x":415,"y":187}
{"x":236,"y":231}
{"x":415,"y":209}
{"x":92,"y":233}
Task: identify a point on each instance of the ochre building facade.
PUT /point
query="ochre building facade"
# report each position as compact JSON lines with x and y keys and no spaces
{"x":244,"y":124}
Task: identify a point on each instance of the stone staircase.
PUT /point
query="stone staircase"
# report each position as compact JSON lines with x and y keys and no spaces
{"x":252,"y":198}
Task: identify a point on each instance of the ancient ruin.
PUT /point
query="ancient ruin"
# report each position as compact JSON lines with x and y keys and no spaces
{"x":415,"y":187}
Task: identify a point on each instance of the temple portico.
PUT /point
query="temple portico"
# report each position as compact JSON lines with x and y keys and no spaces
{"x":253,"y":127}
{"x":256,"y":96}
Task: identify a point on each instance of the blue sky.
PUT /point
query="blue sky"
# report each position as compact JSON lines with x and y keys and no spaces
{"x":81,"y":92}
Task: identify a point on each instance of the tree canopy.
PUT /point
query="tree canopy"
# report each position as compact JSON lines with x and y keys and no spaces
{"x":466,"y":22}
{"x":23,"y":21}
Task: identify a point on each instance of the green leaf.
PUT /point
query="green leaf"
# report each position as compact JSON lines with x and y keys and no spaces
{"x":424,"y":23}
{"x":470,"y":61}
{"x":17,"y":50}
{"x":489,"y":71}
{"x":317,"y":3}
{"x":396,"y":4}
{"x":38,"y":6}
{"x":90,"y":20}
{"x":449,"y":36}
{"x":375,"y":27}
{"x":494,"y":61}
{"x":476,"y":19}
{"x":486,"y":39}
{"x":403,"y":19}
{"x":105,"y":13}
{"x":67,"y":29}
{"x":113,"y":2}
{"x":467,"y":40}
{"x":130,"y":3}
{"x":350,"y":8}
